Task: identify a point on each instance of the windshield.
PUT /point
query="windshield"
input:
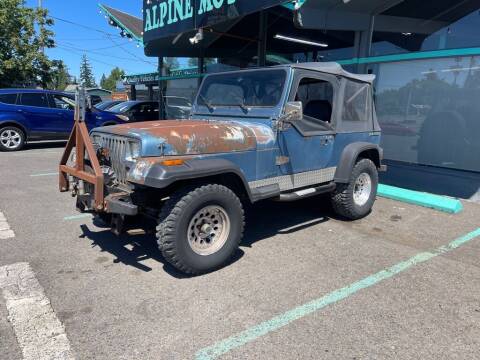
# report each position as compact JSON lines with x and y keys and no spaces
{"x":122,"y":107}
{"x":257,"y":88}
{"x":177,"y":101}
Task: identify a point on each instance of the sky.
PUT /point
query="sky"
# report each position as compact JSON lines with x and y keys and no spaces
{"x":104,"y":52}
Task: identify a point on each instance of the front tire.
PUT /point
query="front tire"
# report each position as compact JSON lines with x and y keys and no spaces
{"x":11,"y":139}
{"x":355,"y":199}
{"x":200,"y":228}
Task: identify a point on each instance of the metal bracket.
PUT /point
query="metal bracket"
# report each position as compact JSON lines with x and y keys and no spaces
{"x":80,"y":140}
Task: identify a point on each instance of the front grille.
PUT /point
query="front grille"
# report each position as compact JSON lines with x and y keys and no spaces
{"x":117,"y":153}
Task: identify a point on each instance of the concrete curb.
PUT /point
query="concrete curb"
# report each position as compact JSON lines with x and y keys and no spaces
{"x":442,"y":203}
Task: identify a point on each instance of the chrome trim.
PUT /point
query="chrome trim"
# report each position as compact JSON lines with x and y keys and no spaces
{"x":119,"y":152}
{"x":299,"y":180}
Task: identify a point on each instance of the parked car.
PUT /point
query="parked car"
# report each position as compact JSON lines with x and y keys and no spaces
{"x":135,"y":111}
{"x":95,"y":99}
{"x":284,"y":133}
{"x":177,"y":107}
{"x":32,"y":115}
{"x":106,"y":105}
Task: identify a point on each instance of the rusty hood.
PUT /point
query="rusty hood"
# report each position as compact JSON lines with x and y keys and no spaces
{"x":196,"y":137}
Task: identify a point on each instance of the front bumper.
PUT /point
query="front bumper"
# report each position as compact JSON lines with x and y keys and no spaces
{"x":117,"y":203}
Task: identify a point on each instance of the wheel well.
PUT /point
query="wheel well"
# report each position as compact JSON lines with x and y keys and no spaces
{"x":371,"y":154}
{"x":14,"y":124}
{"x":229,"y":179}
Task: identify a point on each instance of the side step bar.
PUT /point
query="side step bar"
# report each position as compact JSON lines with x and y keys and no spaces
{"x":305,"y":193}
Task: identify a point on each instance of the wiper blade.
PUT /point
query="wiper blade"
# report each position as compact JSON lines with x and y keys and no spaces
{"x":207,"y":103}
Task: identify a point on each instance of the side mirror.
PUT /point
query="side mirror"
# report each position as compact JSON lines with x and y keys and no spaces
{"x":293,"y":111}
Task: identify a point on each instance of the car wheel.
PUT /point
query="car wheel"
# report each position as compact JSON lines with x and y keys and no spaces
{"x":200,"y":228}
{"x":355,"y":199}
{"x":11,"y":139}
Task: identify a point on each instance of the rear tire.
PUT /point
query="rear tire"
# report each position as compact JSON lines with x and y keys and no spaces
{"x":200,"y":228}
{"x":355,"y":199}
{"x":11,"y":139}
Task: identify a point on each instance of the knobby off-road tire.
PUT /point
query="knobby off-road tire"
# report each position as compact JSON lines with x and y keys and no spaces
{"x":355,"y":199}
{"x":11,"y":139}
{"x":200,"y":228}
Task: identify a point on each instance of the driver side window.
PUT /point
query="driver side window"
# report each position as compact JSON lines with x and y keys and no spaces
{"x":317,"y":98}
{"x":62,"y":102}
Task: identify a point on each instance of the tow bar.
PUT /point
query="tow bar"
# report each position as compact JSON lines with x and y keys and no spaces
{"x":73,"y":178}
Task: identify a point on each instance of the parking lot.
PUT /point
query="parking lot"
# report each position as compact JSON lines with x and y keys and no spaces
{"x":402,"y":283}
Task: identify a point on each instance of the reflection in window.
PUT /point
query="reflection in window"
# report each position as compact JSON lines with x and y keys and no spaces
{"x":428,"y":111}
{"x":435,"y":26}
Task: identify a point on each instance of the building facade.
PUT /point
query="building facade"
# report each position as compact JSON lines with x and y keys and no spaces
{"x":426,"y":56}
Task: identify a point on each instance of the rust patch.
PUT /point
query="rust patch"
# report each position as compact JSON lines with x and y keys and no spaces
{"x":194,"y":137}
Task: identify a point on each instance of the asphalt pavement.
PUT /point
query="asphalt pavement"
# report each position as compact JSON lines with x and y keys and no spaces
{"x":403,"y":283}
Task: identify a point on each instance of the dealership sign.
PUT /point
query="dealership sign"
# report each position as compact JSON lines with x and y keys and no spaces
{"x":163,"y":18}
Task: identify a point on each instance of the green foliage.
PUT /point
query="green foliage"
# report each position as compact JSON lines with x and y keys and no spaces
{"x":171,"y":63}
{"x":24,"y":34}
{"x":59,"y":76}
{"x":193,"y":62}
{"x":103,"y":80}
{"x":86,"y":73}
{"x":110,"y":82}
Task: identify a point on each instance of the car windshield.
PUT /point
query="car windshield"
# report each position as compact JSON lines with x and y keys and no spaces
{"x":177,"y":101}
{"x":122,"y":107}
{"x":105,"y":105}
{"x":257,"y":88}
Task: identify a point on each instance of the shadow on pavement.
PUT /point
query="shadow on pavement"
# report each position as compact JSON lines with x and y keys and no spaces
{"x":263,"y":220}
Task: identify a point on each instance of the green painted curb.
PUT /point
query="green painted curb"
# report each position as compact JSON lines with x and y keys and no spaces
{"x":442,"y":203}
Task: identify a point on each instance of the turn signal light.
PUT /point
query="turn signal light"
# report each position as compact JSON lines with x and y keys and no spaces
{"x":175,"y":162}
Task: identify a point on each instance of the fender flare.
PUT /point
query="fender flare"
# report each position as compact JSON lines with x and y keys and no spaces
{"x":160,"y":176}
{"x":349,"y":158}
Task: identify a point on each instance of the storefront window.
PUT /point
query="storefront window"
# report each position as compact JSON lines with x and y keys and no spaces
{"x":428,"y":111}
{"x":439,"y":27}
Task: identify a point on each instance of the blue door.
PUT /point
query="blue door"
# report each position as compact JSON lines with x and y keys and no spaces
{"x":308,"y":145}
{"x":38,"y":114}
{"x":63,"y":111}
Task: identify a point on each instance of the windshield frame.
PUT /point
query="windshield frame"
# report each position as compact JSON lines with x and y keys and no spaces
{"x":198,"y":103}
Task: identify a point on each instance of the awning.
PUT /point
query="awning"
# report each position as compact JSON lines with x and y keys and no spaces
{"x":131,"y":26}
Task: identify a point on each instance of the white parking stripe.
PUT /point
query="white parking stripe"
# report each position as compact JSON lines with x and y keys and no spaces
{"x":40,"y":334}
{"x":5,"y":231}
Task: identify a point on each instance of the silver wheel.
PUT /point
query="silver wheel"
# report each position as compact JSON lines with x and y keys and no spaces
{"x":10,"y":138}
{"x":208,"y":230}
{"x":362,"y":189}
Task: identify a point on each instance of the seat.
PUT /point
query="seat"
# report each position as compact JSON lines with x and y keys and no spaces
{"x":319,"y":109}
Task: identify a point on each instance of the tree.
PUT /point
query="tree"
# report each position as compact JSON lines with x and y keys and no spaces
{"x":193,"y":62}
{"x":110,"y":82}
{"x":86,"y":73}
{"x":171,"y":64}
{"x":24,"y":34}
{"x":59,"y":76}
{"x":103,"y":79}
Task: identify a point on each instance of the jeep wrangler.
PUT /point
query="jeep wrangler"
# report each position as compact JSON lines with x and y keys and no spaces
{"x":283,"y":133}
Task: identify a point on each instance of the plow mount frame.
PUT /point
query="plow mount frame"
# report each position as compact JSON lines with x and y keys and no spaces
{"x":80,"y":140}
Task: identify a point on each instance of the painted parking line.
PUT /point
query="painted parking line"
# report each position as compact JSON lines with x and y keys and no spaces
{"x":279,"y":321}
{"x":40,"y":334}
{"x":77,"y":217}
{"x":5,"y":231}
{"x":22,"y":153}
{"x":44,"y":174}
